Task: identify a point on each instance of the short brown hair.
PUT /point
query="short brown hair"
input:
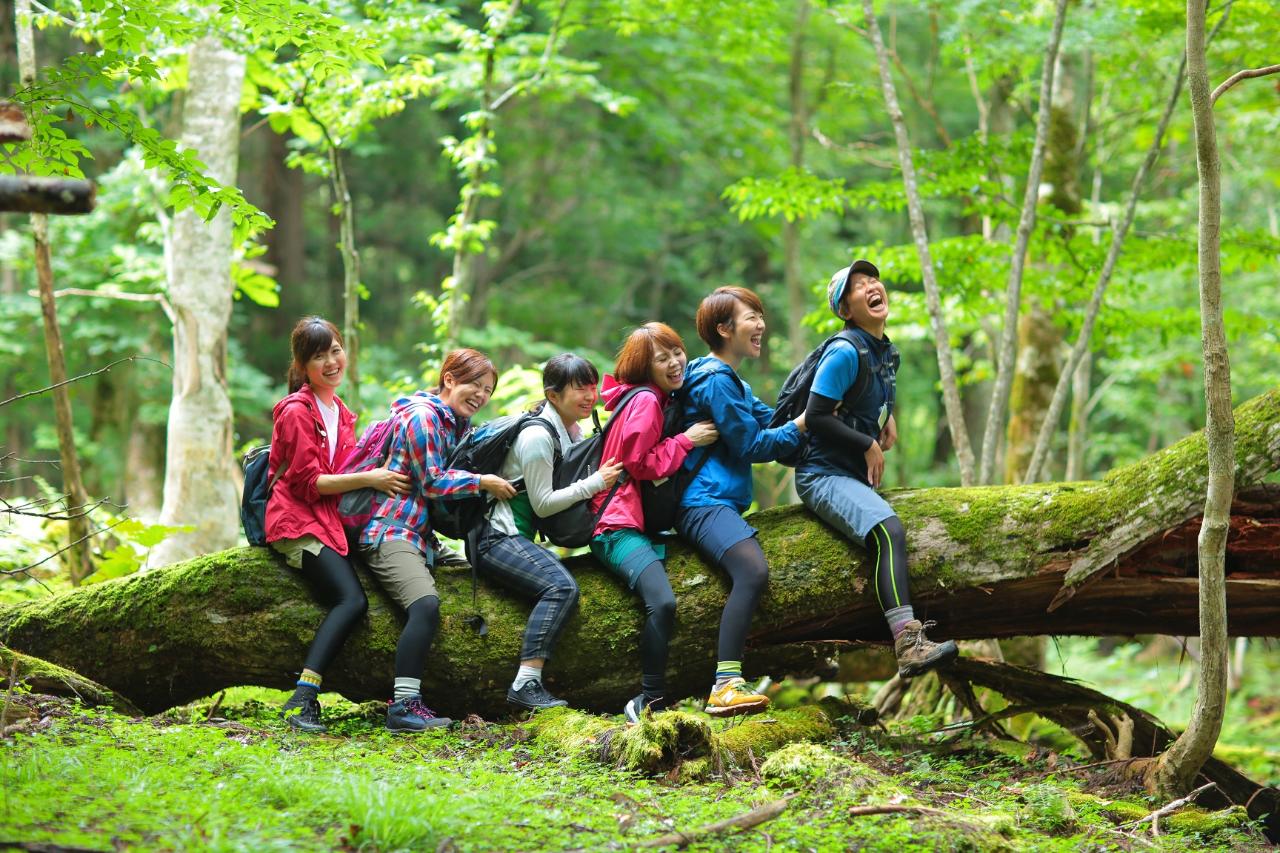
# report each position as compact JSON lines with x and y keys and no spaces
{"x":466,"y":365}
{"x":310,"y":337}
{"x":636,"y":355}
{"x":719,"y":308}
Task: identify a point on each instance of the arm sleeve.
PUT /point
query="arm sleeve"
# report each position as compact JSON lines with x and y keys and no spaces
{"x":427,"y":459}
{"x":641,"y":448}
{"x":536,"y":453}
{"x":294,"y":436}
{"x":735,"y":418}
{"x":820,"y":416}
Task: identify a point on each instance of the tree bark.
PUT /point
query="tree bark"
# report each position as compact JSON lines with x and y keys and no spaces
{"x":915,"y":210}
{"x":81,"y":562}
{"x":1174,"y":773}
{"x":797,"y":294}
{"x":1026,"y":223}
{"x":199,"y":488}
{"x":32,"y":194}
{"x":986,"y":562}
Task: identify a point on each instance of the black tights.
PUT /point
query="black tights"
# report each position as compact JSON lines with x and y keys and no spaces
{"x":660,"y":610}
{"x":334,"y":582}
{"x":749,"y":572}
{"x":417,"y":636}
{"x":887,"y":541}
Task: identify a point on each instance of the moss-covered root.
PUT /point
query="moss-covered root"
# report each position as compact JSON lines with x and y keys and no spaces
{"x":39,"y":676}
{"x":1190,"y":820}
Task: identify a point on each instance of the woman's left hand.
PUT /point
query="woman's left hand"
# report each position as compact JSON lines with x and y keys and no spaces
{"x":888,"y":435}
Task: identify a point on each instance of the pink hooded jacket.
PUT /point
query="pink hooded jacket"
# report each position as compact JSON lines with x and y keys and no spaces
{"x":636,"y":441}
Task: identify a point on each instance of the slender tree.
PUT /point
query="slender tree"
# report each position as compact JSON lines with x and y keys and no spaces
{"x":199,"y":488}
{"x":1026,"y":224}
{"x":797,"y":295}
{"x":915,"y":208}
{"x":77,"y":523}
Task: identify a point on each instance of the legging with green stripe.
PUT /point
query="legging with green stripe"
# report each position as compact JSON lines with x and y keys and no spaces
{"x":888,"y":542}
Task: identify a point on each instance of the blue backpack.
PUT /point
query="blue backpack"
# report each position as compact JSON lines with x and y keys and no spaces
{"x":257,"y":489}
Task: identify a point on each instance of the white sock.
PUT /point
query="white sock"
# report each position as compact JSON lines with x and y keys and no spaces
{"x":406,"y":687}
{"x":526,"y":674}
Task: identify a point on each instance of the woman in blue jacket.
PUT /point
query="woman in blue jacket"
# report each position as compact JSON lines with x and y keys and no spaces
{"x":731,"y":321}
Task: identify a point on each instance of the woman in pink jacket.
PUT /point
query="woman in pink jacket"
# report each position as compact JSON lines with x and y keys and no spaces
{"x":312,"y":432}
{"x":653,"y":357}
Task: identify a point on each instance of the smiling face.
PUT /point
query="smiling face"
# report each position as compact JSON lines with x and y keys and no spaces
{"x":326,"y":368}
{"x":742,"y":338}
{"x":575,"y":402}
{"x":666,"y":369}
{"x":865,"y":302}
{"x":467,"y":398}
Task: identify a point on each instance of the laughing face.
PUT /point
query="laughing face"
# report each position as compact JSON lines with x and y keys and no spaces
{"x":744,"y":337}
{"x":467,"y":398}
{"x":575,"y":402}
{"x":666,"y":369}
{"x":866,"y":302}
{"x":325,"y":369}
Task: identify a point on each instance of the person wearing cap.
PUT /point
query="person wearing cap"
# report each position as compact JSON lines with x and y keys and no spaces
{"x":851,"y":426}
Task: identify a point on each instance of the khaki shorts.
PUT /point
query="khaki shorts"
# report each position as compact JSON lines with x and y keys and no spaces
{"x":293,"y":549}
{"x":402,"y":569}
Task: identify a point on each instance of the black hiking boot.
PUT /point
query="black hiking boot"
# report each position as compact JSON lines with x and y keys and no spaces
{"x":533,"y":697}
{"x":635,"y":709}
{"x":410,"y":715}
{"x":918,"y":654}
{"x":302,"y":712}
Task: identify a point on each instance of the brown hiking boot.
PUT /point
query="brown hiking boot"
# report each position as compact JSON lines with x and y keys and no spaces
{"x":918,"y":654}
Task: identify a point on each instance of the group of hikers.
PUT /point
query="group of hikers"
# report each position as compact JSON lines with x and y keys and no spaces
{"x":837,"y":443}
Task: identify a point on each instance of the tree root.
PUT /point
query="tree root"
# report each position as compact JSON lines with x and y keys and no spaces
{"x":43,"y":677}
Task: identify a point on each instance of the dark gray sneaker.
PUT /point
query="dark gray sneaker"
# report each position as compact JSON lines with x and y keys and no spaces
{"x":303,"y":713}
{"x":635,"y":709}
{"x":918,"y":654}
{"x":410,"y":715}
{"x":533,"y":697}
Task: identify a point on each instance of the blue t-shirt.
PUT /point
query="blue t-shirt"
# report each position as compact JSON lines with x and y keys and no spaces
{"x":836,"y":375}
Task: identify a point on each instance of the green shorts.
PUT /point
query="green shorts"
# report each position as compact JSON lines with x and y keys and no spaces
{"x":627,"y":553}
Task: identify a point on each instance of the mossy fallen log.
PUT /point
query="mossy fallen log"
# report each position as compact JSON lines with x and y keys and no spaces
{"x":987,"y":562}
{"x":40,"y":676}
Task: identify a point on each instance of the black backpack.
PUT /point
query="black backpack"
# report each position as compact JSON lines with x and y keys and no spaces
{"x":794,"y":395}
{"x":481,"y":451}
{"x":660,"y":499}
{"x":257,"y":489}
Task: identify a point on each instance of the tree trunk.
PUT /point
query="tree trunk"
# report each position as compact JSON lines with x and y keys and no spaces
{"x":1026,"y":224}
{"x":1177,"y":768}
{"x":1078,"y":431}
{"x":199,"y":488}
{"x":1035,"y":377}
{"x":797,"y":294}
{"x":986,"y":563}
{"x":77,"y":524}
{"x":915,"y":210}
{"x":350,"y":276}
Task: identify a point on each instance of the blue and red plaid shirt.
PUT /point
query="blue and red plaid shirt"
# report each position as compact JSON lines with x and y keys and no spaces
{"x":426,"y":432}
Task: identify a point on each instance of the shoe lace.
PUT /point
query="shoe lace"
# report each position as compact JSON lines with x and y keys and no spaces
{"x":310,"y":707}
{"x":416,"y":706}
{"x":918,"y":638}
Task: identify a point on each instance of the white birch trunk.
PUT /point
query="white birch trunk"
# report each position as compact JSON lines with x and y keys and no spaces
{"x":199,"y":488}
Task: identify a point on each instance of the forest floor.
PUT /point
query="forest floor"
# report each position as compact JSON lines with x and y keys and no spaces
{"x":238,"y":779}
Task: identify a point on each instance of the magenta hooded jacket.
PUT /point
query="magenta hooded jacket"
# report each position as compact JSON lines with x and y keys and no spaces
{"x":636,"y":441}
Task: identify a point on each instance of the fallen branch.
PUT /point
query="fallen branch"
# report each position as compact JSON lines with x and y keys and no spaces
{"x":863,"y":811}
{"x":750,"y":819}
{"x":32,"y":194}
{"x":1169,"y":809}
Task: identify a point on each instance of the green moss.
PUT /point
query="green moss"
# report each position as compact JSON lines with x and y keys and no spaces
{"x":797,"y":763}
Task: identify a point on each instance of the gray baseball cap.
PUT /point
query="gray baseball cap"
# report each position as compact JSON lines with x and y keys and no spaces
{"x":835,"y":288}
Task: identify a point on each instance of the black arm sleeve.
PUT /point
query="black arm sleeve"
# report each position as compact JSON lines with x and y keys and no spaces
{"x":820,"y":418}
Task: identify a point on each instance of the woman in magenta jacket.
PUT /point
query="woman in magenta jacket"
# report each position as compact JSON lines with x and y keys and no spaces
{"x":312,"y":432}
{"x":653,"y":357}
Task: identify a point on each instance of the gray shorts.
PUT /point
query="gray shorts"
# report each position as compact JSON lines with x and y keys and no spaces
{"x":293,"y":549}
{"x":402,"y":570}
{"x":846,"y":503}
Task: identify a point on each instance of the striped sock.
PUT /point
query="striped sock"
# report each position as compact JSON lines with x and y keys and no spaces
{"x":727,"y":669}
{"x":406,"y":687}
{"x":309,"y":680}
{"x":898,"y":618}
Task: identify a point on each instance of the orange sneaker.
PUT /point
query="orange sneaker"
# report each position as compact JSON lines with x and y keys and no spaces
{"x":735,"y":697}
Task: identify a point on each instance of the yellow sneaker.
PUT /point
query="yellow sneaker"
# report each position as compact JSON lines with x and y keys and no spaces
{"x":735,"y":697}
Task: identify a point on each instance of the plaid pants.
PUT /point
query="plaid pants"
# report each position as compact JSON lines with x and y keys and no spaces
{"x":521,"y":566}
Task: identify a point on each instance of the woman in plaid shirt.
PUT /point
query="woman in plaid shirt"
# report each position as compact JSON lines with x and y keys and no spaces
{"x":396,"y":543}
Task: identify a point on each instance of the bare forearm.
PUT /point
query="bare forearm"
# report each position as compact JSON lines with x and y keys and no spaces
{"x":336,"y":484}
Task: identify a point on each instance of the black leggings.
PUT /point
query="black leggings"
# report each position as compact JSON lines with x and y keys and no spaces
{"x":887,"y":541}
{"x":416,"y":638}
{"x":655,"y":637}
{"x":334,"y":583}
{"x":749,"y":572}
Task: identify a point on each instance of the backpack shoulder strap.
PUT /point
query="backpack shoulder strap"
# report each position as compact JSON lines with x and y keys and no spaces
{"x":551,"y":431}
{"x":863,"y":379}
